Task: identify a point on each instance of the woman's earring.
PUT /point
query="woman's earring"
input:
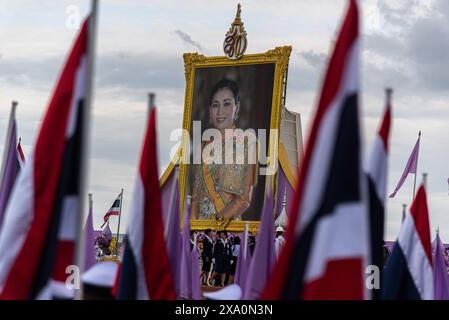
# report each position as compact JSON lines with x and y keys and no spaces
{"x":236,"y":117}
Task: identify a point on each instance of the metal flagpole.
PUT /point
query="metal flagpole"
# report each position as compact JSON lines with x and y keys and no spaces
{"x":90,"y":202}
{"x":79,"y":252}
{"x":118,"y":227}
{"x":424,"y":180}
{"x":151,"y":102}
{"x":417,"y":159}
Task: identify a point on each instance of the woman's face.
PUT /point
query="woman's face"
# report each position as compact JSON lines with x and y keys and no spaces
{"x":223,"y":109}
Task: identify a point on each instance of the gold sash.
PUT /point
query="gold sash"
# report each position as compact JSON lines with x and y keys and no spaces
{"x":210,"y":186}
{"x":215,"y":197}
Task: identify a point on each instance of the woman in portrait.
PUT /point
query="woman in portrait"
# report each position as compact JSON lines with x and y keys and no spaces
{"x":223,"y":190}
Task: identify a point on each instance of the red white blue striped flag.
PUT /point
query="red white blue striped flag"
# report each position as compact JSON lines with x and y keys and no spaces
{"x":39,"y":233}
{"x":146,"y":271}
{"x":327,"y":243}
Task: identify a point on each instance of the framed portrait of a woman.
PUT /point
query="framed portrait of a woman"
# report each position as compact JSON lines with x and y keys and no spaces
{"x":232,"y":117}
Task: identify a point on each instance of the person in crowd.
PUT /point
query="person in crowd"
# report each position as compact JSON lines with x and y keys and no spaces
{"x":235,"y":250}
{"x":228,"y":251}
{"x":221,"y":258}
{"x":206,"y":256}
{"x":251,"y":243}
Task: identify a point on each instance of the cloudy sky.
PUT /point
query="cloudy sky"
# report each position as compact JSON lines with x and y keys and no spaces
{"x":140,"y":46}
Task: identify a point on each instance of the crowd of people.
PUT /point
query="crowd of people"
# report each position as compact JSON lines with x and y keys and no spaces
{"x":219,"y":252}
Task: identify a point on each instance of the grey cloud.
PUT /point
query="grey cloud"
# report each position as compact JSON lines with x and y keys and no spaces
{"x":140,"y":71}
{"x":315,"y":59}
{"x":385,"y":74}
{"x":429,"y":48}
{"x":120,"y":141}
{"x":23,"y":72}
{"x":401,"y":14}
{"x":420,"y":47}
{"x":187,"y":39}
{"x":103,"y":188}
{"x":390,"y":46}
{"x":303,"y":78}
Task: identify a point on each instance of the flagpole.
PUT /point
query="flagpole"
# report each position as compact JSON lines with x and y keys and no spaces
{"x":79,"y":252}
{"x":118,"y":228}
{"x":388,"y":95}
{"x":245,"y":236}
{"x":86,"y":226}
{"x":424,"y":179}
{"x":151,"y":102}
{"x":17,"y":151}
{"x":417,"y":159}
{"x":90,"y":202}
{"x":12,"y":116}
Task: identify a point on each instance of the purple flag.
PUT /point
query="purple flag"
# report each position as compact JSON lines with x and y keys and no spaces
{"x":196,"y":285}
{"x":242,"y":265}
{"x":441,"y":276}
{"x":263,"y":257}
{"x":172,"y":234}
{"x":410,"y":167}
{"x":10,"y":165}
{"x":106,"y":231}
{"x":89,"y":238}
{"x":185,"y":286}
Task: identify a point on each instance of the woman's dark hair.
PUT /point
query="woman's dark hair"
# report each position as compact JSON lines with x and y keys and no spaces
{"x":226,"y":84}
{"x":223,"y":232}
{"x":236,"y":240}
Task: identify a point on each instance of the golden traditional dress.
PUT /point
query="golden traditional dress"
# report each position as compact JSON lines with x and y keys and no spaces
{"x":222,"y":191}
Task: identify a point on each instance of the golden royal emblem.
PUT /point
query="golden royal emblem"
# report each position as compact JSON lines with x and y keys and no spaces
{"x":235,"y":43}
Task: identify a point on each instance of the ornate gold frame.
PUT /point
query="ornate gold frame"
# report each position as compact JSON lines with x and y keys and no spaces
{"x":280,"y":57}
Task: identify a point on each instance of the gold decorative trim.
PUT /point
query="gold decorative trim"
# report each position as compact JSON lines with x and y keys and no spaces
{"x":167,"y":173}
{"x":110,"y":258}
{"x":236,"y":42}
{"x":280,"y":57}
{"x":287,"y":166}
{"x":238,"y":226}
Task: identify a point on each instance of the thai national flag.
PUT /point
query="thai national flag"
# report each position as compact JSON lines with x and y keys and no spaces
{"x":376,"y":172}
{"x":409,"y":272}
{"x":146,"y":271}
{"x":20,"y":155}
{"x":114,"y":210}
{"x":37,"y":241}
{"x":327,"y":245}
